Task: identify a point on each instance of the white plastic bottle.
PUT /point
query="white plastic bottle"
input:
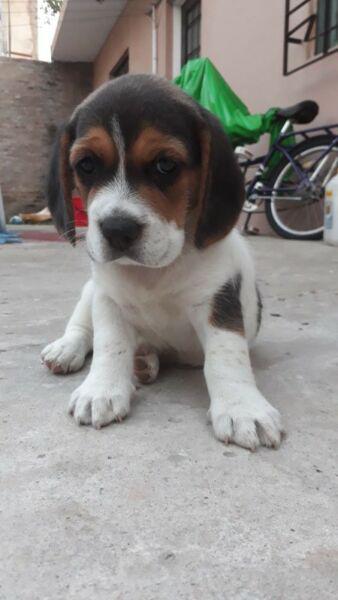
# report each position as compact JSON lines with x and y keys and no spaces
{"x":331,"y":212}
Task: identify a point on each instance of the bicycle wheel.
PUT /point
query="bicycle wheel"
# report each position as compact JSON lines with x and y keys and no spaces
{"x":296,"y":211}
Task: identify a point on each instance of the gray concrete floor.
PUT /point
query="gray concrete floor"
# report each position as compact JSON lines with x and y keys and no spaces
{"x":156,"y":508}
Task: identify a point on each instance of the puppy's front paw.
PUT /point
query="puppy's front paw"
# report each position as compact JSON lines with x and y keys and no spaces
{"x":95,"y":404}
{"x":66,"y":355}
{"x":247,"y":420}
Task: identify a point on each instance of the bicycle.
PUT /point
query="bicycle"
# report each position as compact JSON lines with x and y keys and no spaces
{"x":290,"y":179}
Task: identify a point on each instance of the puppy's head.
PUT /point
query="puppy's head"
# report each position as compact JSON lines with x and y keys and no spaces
{"x":154,"y":168}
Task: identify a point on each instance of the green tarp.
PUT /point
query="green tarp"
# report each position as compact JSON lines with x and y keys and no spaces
{"x":202,"y":81}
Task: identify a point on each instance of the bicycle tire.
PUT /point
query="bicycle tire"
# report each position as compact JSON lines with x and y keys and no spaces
{"x":298,"y":150}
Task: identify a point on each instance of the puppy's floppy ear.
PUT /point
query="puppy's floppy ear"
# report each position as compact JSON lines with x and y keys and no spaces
{"x":60,"y":184}
{"x":222,"y":185}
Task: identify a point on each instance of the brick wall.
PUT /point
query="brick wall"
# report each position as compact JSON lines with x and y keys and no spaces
{"x":35,"y":98}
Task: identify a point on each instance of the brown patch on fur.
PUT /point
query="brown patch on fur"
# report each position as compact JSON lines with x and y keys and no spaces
{"x":66,"y":182}
{"x":84,"y":193}
{"x":172,"y":204}
{"x":151,"y":142}
{"x":205,"y":161}
{"x":97,"y":141}
{"x":203,"y":179}
{"x":226,"y":307}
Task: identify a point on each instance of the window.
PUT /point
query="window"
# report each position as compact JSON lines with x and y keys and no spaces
{"x":310,"y":39}
{"x":327,"y":25}
{"x":191,"y":30}
{"x":121,"y":67}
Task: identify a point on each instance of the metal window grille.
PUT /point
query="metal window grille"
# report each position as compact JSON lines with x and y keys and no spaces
{"x":191,"y":30}
{"x":327,"y":17}
{"x":318,"y":31}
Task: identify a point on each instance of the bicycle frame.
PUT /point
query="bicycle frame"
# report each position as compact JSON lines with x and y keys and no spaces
{"x":258,"y":190}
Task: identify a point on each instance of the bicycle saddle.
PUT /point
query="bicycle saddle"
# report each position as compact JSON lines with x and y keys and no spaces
{"x":303,"y":112}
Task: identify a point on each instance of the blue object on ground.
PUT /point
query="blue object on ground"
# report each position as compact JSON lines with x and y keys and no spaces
{"x":9,"y":237}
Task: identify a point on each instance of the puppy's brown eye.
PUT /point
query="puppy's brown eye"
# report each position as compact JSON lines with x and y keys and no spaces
{"x":165,"y":166}
{"x":86,"y":165}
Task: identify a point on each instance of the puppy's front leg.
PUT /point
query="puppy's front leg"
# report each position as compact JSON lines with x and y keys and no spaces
{"x":105,"y":394}
{"x":239,"y":412}
{"x":68,"y":353}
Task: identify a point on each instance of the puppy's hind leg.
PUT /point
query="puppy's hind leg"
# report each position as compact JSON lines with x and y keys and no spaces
{"x":68,"y":353}
{"x":146,"y":364}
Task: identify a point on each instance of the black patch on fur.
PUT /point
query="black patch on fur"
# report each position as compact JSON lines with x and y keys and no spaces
{"x":259,"y":308}
{"x":226,"y":306}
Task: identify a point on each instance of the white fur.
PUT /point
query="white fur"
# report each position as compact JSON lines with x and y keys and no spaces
{"x":104,"y":396}
{"x":168,"y":308}
{"x":69,"y":352}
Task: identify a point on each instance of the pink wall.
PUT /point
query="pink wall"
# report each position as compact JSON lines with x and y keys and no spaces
{"x":245,"y":41}
{"x":133,"y":31}
{"x":164,"y":33}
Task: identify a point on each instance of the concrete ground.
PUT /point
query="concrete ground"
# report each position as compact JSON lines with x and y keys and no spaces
{"x":156,"y":508}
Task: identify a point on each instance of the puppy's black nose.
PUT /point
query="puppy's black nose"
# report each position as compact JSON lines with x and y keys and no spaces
{"x":120,"y":232}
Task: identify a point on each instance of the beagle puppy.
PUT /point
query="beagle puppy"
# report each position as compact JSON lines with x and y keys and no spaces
{"x":171,"y":277}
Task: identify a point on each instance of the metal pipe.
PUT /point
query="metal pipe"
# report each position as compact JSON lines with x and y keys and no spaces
{"x":286,"y":31}
{"x":9,"y":25}
{"x":285,"y":127}
{"x":154,"y":39}
{"x":327,"y":24}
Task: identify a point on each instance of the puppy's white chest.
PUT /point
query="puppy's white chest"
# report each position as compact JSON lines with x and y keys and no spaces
{"x":164,"y":325}
{"x":155,"y":303}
